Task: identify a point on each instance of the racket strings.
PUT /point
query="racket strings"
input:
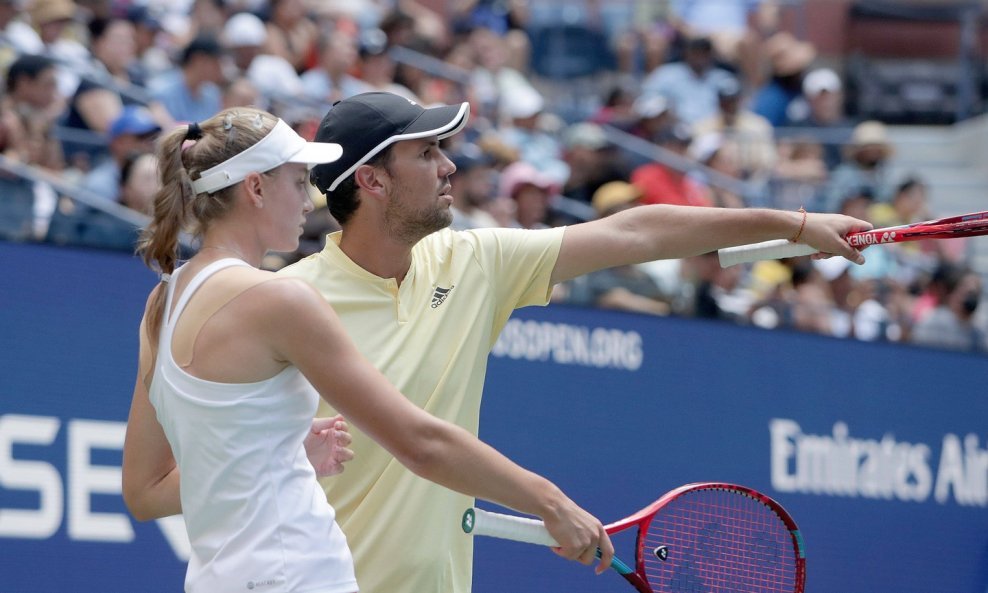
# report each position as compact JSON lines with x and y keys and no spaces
{"x":719,"y":541}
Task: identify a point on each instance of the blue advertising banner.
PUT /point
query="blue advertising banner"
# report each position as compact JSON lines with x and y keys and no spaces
{"x":878,"y":451}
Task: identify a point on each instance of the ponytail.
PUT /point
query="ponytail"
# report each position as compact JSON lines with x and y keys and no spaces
{"x":158,"y":244}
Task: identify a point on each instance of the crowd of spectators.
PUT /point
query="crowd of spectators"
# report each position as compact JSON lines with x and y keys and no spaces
{"x":707,"y":103}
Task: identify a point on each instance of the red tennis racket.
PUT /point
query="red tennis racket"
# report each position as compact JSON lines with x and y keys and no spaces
{"x":965,"y":225}
{"x":707,"y":537}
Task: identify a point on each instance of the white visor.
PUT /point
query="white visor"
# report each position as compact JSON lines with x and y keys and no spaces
{"x":281,"y":145}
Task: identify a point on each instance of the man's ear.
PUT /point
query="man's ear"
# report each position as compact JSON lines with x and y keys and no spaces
{"x":373,"y":180}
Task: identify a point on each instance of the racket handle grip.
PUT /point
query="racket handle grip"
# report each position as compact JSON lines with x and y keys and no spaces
{"x":520,"y":529}
{"x":775,"y":249}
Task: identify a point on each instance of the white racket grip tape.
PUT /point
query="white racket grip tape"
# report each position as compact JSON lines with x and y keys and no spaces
{"x":775,"y":249}
{"x":520,"y":529}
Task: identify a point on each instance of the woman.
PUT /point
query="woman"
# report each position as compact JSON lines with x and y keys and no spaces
{"x":139,"y":181}
{"x":232,"y":358}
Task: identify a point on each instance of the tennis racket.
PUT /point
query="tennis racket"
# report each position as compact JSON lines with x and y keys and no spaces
{"x":965,"y":225}
{"x":699,"y":538}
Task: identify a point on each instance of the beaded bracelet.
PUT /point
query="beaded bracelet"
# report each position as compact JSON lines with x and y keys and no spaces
{"x":802,"y":225}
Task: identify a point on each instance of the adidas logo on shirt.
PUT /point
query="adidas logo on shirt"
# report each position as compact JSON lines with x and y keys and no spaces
{"x":439,"y":295}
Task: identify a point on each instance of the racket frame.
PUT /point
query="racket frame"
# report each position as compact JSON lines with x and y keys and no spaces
{"x":535,"y":532}
{"x":643,"y":518}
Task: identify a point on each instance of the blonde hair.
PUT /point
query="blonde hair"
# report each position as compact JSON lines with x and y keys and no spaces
{"x":183,"y":154}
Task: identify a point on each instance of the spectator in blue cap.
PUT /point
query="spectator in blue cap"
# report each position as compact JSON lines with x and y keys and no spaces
{"x":132,"y":132}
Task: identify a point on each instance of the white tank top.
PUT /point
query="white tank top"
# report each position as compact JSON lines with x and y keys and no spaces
{"x":257,"y":519}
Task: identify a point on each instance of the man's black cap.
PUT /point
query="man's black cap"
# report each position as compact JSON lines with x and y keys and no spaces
{"x":366,"y":124}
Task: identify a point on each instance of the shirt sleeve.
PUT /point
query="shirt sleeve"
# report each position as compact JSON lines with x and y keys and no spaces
{"x":518,"y":263}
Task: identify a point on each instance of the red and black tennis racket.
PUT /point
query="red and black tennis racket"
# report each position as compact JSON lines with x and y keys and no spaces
{"x":965,"y":225}
{"x":707,"y":537}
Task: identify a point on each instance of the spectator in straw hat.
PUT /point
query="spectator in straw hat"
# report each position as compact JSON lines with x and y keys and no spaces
{"x":865,"y":165}
{"x":788,"y":59}
{"x":54,"y":22}
{"x":615,"y":196}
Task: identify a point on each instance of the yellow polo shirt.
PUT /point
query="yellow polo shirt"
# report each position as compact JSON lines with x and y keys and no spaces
{"x":431,"y":337}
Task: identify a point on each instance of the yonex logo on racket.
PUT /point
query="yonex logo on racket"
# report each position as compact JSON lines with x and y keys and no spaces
{"x":871,"y":239}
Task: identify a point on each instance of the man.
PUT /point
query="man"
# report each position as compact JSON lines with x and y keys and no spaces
{"x":425,"y":304}
{"x":192,"y":91}
{"x":35,"y":105}
{"x":690,"y":85}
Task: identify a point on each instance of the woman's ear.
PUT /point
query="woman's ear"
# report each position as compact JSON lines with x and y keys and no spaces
{"x":254,"y":187}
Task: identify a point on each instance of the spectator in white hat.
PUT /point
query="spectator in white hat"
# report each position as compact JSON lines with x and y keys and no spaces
{"x":822,"y":107}
{"x":523,"y":111}
{"x":244,"y":37}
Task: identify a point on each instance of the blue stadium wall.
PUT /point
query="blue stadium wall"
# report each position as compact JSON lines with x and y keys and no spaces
{"x":878,"y":451}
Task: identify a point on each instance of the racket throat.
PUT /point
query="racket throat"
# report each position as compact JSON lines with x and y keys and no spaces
{"x":638,"y":582}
